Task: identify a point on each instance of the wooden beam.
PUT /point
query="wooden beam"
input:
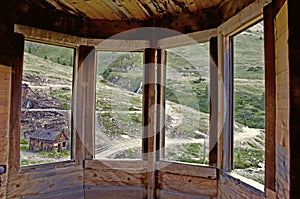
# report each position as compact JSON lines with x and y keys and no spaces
{"x":213,"y":111}
{"x":15,"y":108}
{"x":270,"y":98}
{"x":161,"y":104}
{"x":243,"y":17}
{"x":84,"y":104}
{"x":187,"y":39}
{"x":51,"y":37}
{"x":149,"y":117}
{"x":221,"y":97}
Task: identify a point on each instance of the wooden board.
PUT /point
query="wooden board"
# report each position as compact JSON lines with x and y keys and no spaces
{"x":114,"y":192}
{"x":5,"y":86}
{"x":232,"y":187}
{"x":187,"y":184}
{"x":48,"y":181}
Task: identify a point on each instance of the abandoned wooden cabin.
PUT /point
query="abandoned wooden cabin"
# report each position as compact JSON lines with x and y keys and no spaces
{"x":152,"y":27}
{"x":48,"y":140}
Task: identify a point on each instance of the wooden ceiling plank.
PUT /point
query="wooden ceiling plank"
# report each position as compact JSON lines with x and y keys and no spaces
{"x":107,"y":12}
{"x":134,"y":8}
{"x":85,"y":8}
{"x":118,"y":8}
{"x":151,"y":8}
{"x":202,"y":4}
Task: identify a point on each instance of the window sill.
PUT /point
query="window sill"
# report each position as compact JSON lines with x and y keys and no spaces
{"x":249,"y":184}
{"x":47,"y":166}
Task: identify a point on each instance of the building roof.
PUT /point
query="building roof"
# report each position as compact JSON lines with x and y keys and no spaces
{"x":47,"y":134}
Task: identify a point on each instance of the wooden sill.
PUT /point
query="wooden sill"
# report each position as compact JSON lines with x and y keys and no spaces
{"x":47,"y":166}
{"x":249,"y":184}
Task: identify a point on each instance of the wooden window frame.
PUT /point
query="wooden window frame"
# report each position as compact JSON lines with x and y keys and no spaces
{"x":247,"y":17}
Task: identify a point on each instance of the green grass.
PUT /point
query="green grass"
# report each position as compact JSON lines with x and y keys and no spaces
{"x":55,"y":154}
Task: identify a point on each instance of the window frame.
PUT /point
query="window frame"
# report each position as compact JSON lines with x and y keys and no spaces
{"x":226,"y":35}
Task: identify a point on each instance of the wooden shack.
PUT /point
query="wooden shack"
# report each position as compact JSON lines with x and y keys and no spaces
{"x":48,"y":140}
{"x":83,"y":25}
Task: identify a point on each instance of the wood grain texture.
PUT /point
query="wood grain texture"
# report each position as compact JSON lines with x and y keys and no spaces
{"x":213,"y":110}
{"x":115,"y":173}
{"x":187,"y":184}
{"x":187,"y":169}
{"x":233,"y":187}
{"x":270,"y":99}
{"x":114,"y":192}
{"x":15,"y":108}
{"x":165,"y":194}
{"x":44,"y":182}
{"x":5,"y":88}
{"x":282,"y":171}
{"x":42,"y":35}
{"x":84,"y":120}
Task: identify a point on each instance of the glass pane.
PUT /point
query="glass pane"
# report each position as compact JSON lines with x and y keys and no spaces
{"x":249,"y":108}
{"x":187,"y":104}
{"x":119,"y":105}
{"x":46,"y":103}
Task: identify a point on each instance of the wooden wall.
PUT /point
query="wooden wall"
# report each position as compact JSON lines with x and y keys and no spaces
{"x":5,"y":85}
{"x":282,"y":129}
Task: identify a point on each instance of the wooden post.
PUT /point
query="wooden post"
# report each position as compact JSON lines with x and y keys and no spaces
{"x":15,"y":108}
{"x":161,"y":104}
{"x":213,"y":110}
{"x":270,"y":99}
{"x":149,"y":116}
{"x":221,"y":97}
{"x":84,"y":104}
{"x":228,"y":100}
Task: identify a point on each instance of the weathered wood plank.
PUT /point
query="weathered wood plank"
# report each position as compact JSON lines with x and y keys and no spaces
{"x":5,"y":88}
{"x":187,"y":184}
{"x":165,"y":194}
{"x":234,"y":186}
{"x":15,"y":108}
{"x":86,"y":9}
{"x":187,"y":169}
{"x":119,"y":44}
{"x":114,"y":192}
{"x":281,"y":52}
{"x":115,"y":173}
{"x":115,"y":164}
{"x":104,"y":10}
{"x":187,"y":39}
{"x":282,"y":89}
{"x":161,"y":104}
{"x":51,"y":37}
{"x":115,"y":177}
{"x":149,"y":116}
{"x":134,"y":7}
{"x":213,"y":110}
{"x":241,"y":15}
{"x":74,"y":192}
{"x":282,"y":171}
{"x":270,"y":100}
{"x":49,"y":181}
{"x":84,"y":122}
{"x":221,"y":97}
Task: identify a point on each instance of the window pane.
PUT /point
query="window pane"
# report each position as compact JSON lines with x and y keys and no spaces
{"x":187,"y":104}
{"x":119,"y":105}
{"x":46,"y":103}
{"x":249,"y":108}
